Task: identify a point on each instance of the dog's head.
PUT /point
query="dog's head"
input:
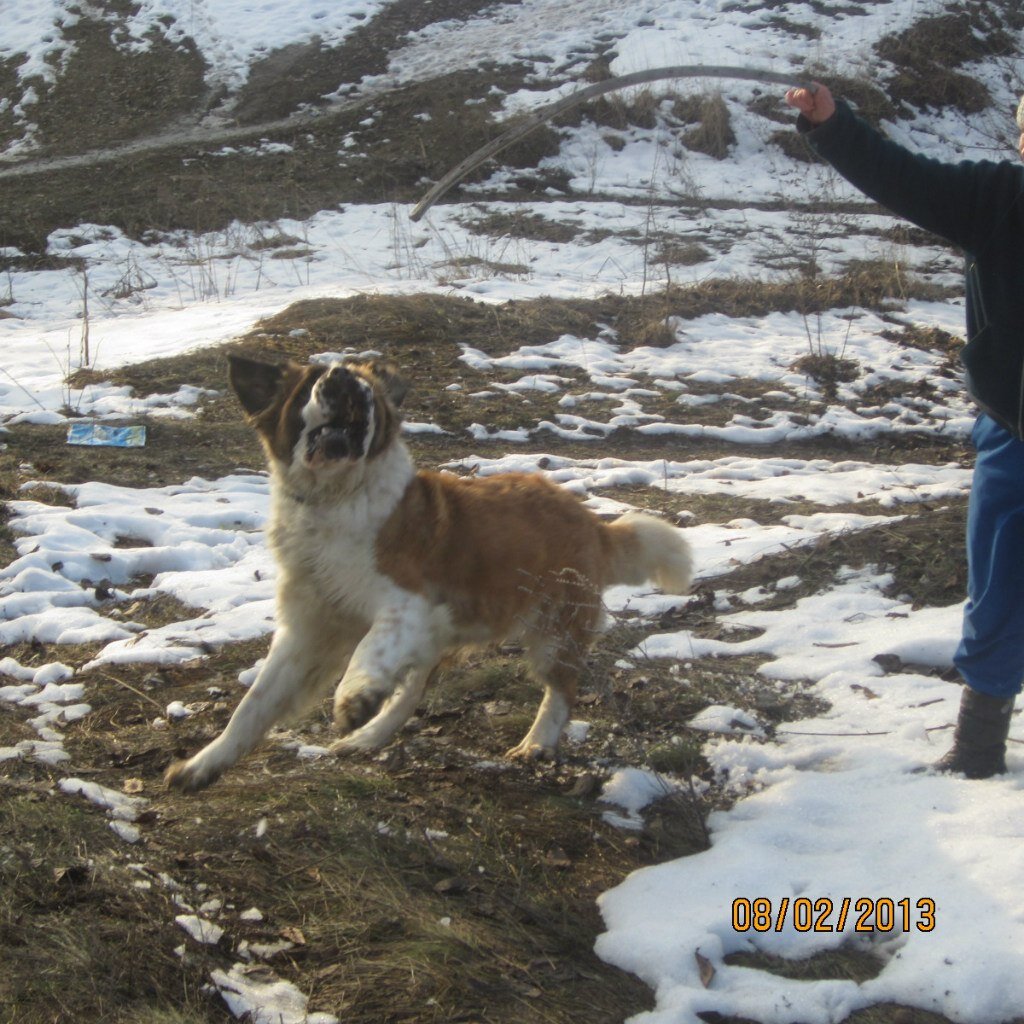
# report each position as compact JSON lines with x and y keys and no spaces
{"x":323,"y":418}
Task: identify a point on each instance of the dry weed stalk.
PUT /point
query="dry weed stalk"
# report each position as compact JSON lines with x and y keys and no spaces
{"x":553,"y":110}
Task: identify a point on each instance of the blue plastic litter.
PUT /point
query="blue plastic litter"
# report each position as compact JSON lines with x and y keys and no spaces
{"x":100,"y":435}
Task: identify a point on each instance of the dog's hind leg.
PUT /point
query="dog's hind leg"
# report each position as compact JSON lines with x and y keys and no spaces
{"x":561,"y":679}
{"x":296,"y":669}
{"x":557,"y":647}
{"x":396,"y":711}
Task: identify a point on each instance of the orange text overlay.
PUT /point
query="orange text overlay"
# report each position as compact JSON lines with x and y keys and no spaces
{"x":879,"y":914}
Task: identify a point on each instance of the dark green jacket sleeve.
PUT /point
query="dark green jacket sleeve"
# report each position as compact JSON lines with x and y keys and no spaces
{"x":963,"y":202}
{"x":976,"y":205}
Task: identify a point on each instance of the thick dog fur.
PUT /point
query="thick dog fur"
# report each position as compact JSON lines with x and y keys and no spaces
{"x":384,"y":570}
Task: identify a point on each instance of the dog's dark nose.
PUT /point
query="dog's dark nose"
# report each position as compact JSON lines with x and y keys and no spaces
{"x":336,"y":383}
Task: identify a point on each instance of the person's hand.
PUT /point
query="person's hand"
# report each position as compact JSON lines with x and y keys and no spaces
{"x":815,"y":104}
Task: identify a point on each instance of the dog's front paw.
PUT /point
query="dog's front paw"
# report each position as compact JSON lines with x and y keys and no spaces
{"x":354,"y":710}
{"x":530,"y":751}
{"x":189,"y":776}
{"x":351,"y":745}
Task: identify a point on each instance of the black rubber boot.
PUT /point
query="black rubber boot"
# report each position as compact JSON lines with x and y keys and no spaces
{"x":979,"y":743}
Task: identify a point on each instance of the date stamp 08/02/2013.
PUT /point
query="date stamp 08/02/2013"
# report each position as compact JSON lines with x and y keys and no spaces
{"x":865,"y":914}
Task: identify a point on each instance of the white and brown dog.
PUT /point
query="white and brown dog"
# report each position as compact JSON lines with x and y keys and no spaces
{"x":384,"y":570}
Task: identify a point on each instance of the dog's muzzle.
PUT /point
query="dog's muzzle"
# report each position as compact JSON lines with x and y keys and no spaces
{"x":345,"y":403}
{"x":330,"y":443}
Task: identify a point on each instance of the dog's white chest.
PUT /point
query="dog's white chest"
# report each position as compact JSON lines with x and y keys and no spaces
{"x":331,"y":545}
{"x":343,"y":558}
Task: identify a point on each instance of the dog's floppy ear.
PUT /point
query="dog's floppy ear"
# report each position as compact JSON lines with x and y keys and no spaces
{"x":256,"y":383}
{"x":395,"y":386}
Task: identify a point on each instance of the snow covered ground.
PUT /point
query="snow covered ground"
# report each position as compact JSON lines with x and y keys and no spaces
{"x":927,"y":867}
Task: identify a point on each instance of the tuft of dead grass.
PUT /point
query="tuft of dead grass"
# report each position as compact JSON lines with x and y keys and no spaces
{"x":853,"y":961}
{"x":828,"y":370}
{"x":636,"y":108}
{"x":713,"y":134}
{"x":533,"y":226}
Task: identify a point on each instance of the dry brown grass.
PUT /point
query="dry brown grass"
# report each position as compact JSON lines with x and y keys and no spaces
{"x":927,"y":54}
{"x":142,"y":92}
{"x":714,"y":134}
{"x":424,"y":335}
{"x":521,"y":225}
{"x":637,"y":108}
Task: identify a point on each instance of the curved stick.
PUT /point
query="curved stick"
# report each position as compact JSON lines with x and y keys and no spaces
{"x":552,"y":110}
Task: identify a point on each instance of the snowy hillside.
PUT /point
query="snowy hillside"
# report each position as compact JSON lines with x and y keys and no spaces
{"x":661,"y":301}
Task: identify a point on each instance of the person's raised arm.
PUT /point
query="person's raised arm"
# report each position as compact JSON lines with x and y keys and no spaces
{"x":964,"y":202}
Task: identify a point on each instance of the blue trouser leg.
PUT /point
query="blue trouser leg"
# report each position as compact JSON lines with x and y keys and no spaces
{"x":991,"y":652}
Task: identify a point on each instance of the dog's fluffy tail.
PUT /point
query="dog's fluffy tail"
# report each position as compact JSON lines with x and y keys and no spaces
{"x":644,"y":548}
